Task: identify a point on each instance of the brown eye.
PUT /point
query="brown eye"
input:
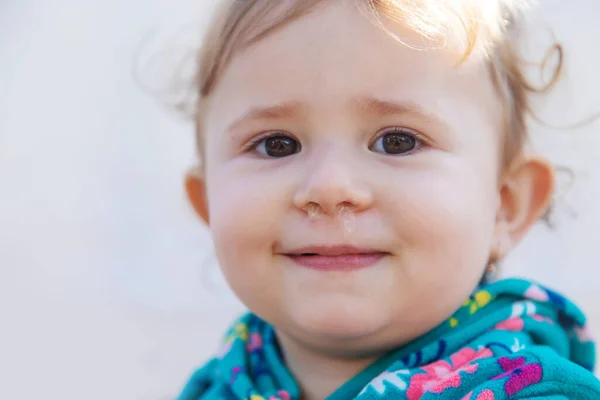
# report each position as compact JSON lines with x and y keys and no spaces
{"x":278,"y":146}
{"x":396,"y":143}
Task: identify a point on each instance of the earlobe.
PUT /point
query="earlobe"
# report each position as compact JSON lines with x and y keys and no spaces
{"x":526,"y":195}
{"x":195,"y":187}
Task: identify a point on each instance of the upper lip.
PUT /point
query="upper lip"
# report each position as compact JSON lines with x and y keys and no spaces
{"x":332,"y":251}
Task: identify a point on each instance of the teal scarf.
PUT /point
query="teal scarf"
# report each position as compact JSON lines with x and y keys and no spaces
{"x":512,"y":339}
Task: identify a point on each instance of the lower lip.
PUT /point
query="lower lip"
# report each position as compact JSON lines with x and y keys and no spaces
{"x":348,"y":262}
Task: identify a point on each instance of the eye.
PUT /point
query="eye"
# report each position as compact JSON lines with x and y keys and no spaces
{"x":396,"y":142}
{"x":277,"y":146}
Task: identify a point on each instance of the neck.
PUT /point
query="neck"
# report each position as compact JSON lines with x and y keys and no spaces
{"x":319,"y":374}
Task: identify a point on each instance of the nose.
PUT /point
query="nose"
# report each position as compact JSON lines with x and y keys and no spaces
{"x":332,"y":183}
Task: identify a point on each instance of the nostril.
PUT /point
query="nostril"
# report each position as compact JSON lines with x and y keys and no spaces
{"x":347,"y":204}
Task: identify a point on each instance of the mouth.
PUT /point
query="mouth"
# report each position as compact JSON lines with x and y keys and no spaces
{"x":335,"y":258}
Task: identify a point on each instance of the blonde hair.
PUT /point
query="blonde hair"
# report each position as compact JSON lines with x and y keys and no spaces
{"x":460,"y":25}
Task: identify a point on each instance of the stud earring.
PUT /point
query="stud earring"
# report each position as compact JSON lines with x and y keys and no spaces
{"x":491,"y":271}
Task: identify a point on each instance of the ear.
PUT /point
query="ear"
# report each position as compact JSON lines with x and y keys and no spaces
{"x":525,"y":195}
{"x":195,"y":186}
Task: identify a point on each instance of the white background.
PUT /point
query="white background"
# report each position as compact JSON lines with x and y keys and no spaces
{"x":108,"y":285}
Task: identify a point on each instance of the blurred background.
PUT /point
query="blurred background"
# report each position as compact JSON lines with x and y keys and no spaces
{"x":109,"y":288}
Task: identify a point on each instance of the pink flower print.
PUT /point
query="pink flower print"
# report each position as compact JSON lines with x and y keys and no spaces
{"x":520,"y":375}
{"x":235,"y":371}
{"x":487,"y":394}
{"x":541,"y":318}
{"x":255,"y":342}
{"x":511,"y":324}
{"x":468,"y":355}
{"x":537,"y":293}
{"x":281,"y":395}
{"x":442,"y":375}
{"x":584,"y":334}
{"x":516,"y":324}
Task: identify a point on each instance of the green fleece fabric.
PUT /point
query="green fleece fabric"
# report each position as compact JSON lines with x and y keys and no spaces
{"x":512,"y":339}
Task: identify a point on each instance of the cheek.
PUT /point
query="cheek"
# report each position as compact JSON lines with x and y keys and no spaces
{"x":444,"y":218}
{"x":248,"y":202}
{"x":246,"y":215}
{"x":446,"y":215}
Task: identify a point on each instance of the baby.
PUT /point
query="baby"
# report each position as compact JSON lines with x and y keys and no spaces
{"x":363,"y":171}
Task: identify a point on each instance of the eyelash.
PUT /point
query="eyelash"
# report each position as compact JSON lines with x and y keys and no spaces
{"x":422,"y":141}
{"x":255,"y":142}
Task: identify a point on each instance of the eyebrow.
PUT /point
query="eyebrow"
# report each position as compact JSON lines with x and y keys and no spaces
{"x":362,"y":105}
{"x":382,"y":108}
{"x":272,"y":113}
{"x":385,"y":108}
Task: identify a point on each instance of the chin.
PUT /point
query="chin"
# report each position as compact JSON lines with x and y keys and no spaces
{"x":338,"y":322}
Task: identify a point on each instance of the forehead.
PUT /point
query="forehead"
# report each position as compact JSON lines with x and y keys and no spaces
{"x":336,"y":53}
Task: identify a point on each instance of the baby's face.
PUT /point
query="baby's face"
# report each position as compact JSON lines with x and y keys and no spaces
{"x":333,"y":111}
